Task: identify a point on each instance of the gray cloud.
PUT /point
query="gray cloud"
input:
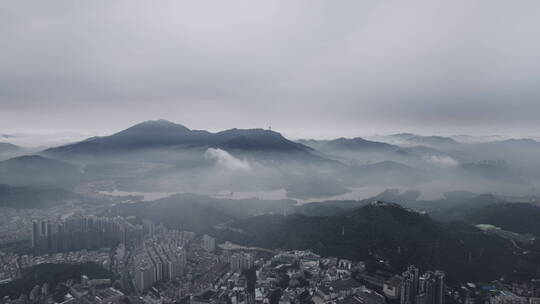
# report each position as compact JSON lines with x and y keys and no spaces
{"x":310,"y":68}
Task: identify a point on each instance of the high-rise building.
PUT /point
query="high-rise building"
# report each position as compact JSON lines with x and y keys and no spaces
{"x":209,"y":243}
{"x":429,"y":288}
{"x":409,"y":287}
{"x":420,"y":298}
{"x":406,"y":291}
{"x":440,"y":286}
{"x":35,"y":234}
{"x":80,"y":232}
{"x":241,"y":261}
{"x":144,"y":274}
{"x":159,"y":258}
{"x":149,"y":227}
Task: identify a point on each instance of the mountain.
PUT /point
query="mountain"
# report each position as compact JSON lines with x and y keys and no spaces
{"x":516,"y":217}
{"x":520,"y":151}
{"x":329,"y":207}
{"x":455,"y":206}
{"x":167,"y":135}
{"x":200,"y":213}
{"x":35,"y":170}
{"x":8,"y":151}
{"x":7,"y":147}
{"x":522,"y":143}
{"x":145,"y":135}
{"x":333,"y":235}
{"x":27,"y":197}
{"x":494,"y":170}
{"x":358,"y":144}
{"x":431,"y":141}
{"x":255,"y":140}
{"x":313,"y":143}
{"x":386,"y":231}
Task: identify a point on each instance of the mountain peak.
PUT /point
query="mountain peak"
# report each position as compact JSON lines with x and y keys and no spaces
{"x":249,"y":132}
{"x":256,"y":139}
{"x":159,"y":127}
{"x":160,"y":124}
{"x":358,"y":143}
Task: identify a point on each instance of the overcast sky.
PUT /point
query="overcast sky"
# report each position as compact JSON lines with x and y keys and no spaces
{"x":310,"y":68}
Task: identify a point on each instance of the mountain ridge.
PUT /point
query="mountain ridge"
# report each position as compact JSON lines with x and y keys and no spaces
{"x":166,"y":134}
{"x":388,"y":230}
{"x":8,"y":147}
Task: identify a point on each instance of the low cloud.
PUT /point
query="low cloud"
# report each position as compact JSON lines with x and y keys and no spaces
{"x":226,"y":160}
{"x":445,"y":161}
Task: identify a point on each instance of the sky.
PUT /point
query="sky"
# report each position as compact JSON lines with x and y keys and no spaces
{"x":308,"y":68}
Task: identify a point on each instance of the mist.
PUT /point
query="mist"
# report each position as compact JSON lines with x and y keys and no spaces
{"x":163,"y":157}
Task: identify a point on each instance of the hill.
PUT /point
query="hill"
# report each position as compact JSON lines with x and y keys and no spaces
{"x":200,"y":213}
{"x":516,"y":217}
{"x":35,"y":170}
{"x":7,"y":147}
{"x":26,"y":197}
{"x":432,"y":141}
{"x":387,"y":231}
{"x":523,"y":143}
{"x":358,"y":144}
{"x":255,"y":139}
{"x":8,"y":151}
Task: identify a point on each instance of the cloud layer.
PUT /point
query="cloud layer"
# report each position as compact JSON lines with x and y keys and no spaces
{"x":347,"y":67}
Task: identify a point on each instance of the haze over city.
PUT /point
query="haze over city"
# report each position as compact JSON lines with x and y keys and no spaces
{"x":269,"y":152}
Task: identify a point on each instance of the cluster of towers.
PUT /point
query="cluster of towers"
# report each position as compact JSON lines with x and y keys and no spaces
{"x":161,"y":257}
{"x":209,"y":243}
{"x":80,"y":232}
{"x":241,"y":261}
{"x":428,"y":288}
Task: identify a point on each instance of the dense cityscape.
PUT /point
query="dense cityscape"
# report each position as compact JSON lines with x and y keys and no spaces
{"x":150,"y":263}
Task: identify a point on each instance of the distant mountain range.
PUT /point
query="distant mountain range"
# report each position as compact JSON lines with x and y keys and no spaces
{"x":350,"y":144}
{"x":425,"y":140}
{"x":7,"y":147}
{"x":161,"y":155}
